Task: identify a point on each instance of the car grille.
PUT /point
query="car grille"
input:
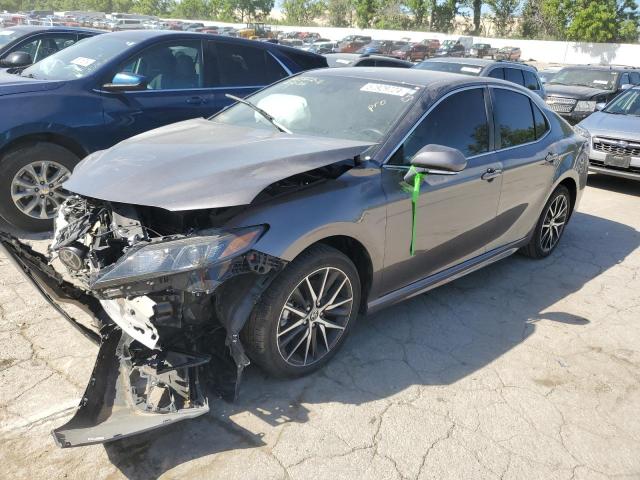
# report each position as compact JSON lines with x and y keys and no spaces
{"x":561,"y":104}
{"x":619,"y":147}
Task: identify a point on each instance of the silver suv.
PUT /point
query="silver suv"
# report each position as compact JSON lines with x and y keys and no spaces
{"x":614,"y":131}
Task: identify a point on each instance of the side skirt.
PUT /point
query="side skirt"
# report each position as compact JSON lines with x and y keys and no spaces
{"x":446,"y":276}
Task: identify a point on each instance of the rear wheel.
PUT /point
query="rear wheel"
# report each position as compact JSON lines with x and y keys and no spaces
{"x":550,"y":226}
{"x":31,"y":178}
{"x":306,"y":314}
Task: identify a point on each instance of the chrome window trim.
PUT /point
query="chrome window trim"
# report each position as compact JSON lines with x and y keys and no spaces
{"x":184,"y":89}
{"x":484,"y":86}
{"x":288,"y":72}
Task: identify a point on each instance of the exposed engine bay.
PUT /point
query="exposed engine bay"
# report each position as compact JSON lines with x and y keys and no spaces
{"x":169,"y":292}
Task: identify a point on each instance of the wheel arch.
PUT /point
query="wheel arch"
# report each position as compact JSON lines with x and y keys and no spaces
{"x":49,"y":137}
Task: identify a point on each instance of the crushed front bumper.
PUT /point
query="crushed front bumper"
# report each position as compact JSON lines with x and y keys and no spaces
{"x":132,"y":389}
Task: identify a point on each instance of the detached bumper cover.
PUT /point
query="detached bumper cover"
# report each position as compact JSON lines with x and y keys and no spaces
{"x":132,"y":389}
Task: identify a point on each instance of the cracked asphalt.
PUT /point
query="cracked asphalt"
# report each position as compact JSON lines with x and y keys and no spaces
{"x":526,"y":369}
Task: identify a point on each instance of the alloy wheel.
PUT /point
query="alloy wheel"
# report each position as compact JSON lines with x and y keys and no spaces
{"x":554,"y":222}
{"x":36,"y":189}
{"x":314,"y":317}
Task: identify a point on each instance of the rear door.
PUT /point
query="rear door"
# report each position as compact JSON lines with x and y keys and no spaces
{"x":177,"y":89}
{"x":455,"y":216}
{"x":240,"y":69}
{"x":528,"y":161}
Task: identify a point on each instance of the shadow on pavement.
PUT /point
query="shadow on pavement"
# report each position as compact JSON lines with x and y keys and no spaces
{"x":614,"y":184}
{"x":435,"y":339}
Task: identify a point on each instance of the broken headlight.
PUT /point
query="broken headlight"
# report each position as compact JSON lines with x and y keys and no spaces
{"x":176,"y":256}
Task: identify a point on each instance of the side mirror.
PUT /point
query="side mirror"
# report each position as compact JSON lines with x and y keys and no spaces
{"x":124,"y":81}
{"x":438,"y":160}
{"x":600,"y":106}
{"x":16,"y":60}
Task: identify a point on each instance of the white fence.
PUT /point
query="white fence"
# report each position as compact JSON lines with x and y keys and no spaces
{"x":538,"y":50}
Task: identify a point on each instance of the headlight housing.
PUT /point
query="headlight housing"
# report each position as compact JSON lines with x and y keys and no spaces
{"x":178,"y":256}
{"x":586,"y":106}
{"x":583,"y":132}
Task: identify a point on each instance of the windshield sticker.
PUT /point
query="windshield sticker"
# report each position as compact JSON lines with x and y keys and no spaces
{"x":387,"y":89}
{"x":4,"y":33}
{"x":471,"y":69}
{"x":83,"y":61}
{"x":342,"y":60}
{"x":601,"y":82}
{"x":375,"y":105}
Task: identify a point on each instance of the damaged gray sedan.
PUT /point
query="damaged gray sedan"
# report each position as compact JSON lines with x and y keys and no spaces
{"x":260,"y":234}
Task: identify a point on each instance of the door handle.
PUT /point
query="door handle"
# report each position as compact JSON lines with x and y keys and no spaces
{"x":196,"y":100}
{"x":551,"y":157}
{"x":491,"y":173}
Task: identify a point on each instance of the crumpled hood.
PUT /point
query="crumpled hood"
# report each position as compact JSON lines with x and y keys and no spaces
{"x":609,"y":125}
{"x":200,"y":164}
{"x":573,"y":91}
{"x":11,"y":84}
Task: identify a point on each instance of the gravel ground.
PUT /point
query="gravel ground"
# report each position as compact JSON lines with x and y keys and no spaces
{"x":522,"y":370}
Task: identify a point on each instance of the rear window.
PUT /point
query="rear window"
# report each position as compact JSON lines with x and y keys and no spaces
{"x":514,"y":75}
{"x":530,"y":80}
{"x":241,"y":65}
{"x":514,"y":118}
{"x":305,"y":61}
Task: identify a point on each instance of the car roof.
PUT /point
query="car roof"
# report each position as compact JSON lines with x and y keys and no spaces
{"x":613,"y":68}
{"x":421,"y":78}
{"x":40,"y":28}
{"x":481,"y":62}
{"x":144,"y":35}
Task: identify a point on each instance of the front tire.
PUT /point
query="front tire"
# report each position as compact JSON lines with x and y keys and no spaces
{"x":30,"y":184}
{"x":306,"y":314}
{"x":550,"y":226}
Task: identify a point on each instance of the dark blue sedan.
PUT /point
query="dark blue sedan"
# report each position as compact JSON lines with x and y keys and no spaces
{"x":110,"y":87}
{"x":35,"y":43}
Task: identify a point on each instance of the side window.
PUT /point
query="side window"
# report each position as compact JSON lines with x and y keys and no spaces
{"x":635,"y":77}
{"x":624,"y":79}
{"x":540,"y":122}
{"x":514,"y":75}
{"x":45,"y":45}
{"x":497,"y":73}
{"x":513,"y":118}
{"x":367,"y":62}
{"x":466,"y":110}
{"x":530,"y":80}
{"x":169,"y":66}
{"x":241,"y":65}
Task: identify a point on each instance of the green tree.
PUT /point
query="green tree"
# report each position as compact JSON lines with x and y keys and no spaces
{"x":443,"y":15}
{"x":601,"y":20}
{"x":193,"y":9}
{"x":391,"y":15}
{"x":302,"y":12}
{"x":419,"y":9}
{"x":340,"y":13}
{"x":503,"y":12}
{"x":365,"y":12}
{"x":477,"y":13}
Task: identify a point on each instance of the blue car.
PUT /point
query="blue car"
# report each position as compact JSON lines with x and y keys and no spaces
{"x":22,"y":45}
{"x":105,"y":89}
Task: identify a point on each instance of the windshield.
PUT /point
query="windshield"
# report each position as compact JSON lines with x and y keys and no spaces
{"x":626,"y":104}
{"x":583,"y":77}
{"x":327,"y":106}
{"x":79,"y":60}
{"x":7,"y":36}
{"x":451,"y":67}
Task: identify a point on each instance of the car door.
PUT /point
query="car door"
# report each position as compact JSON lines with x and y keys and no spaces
{"x":240,"y":69}
{"x":455,"y":213}
{"x":177,"y":89}
{"x":528,"y":162}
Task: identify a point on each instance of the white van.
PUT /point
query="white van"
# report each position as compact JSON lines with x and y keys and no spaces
{"x":127,"y":24}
